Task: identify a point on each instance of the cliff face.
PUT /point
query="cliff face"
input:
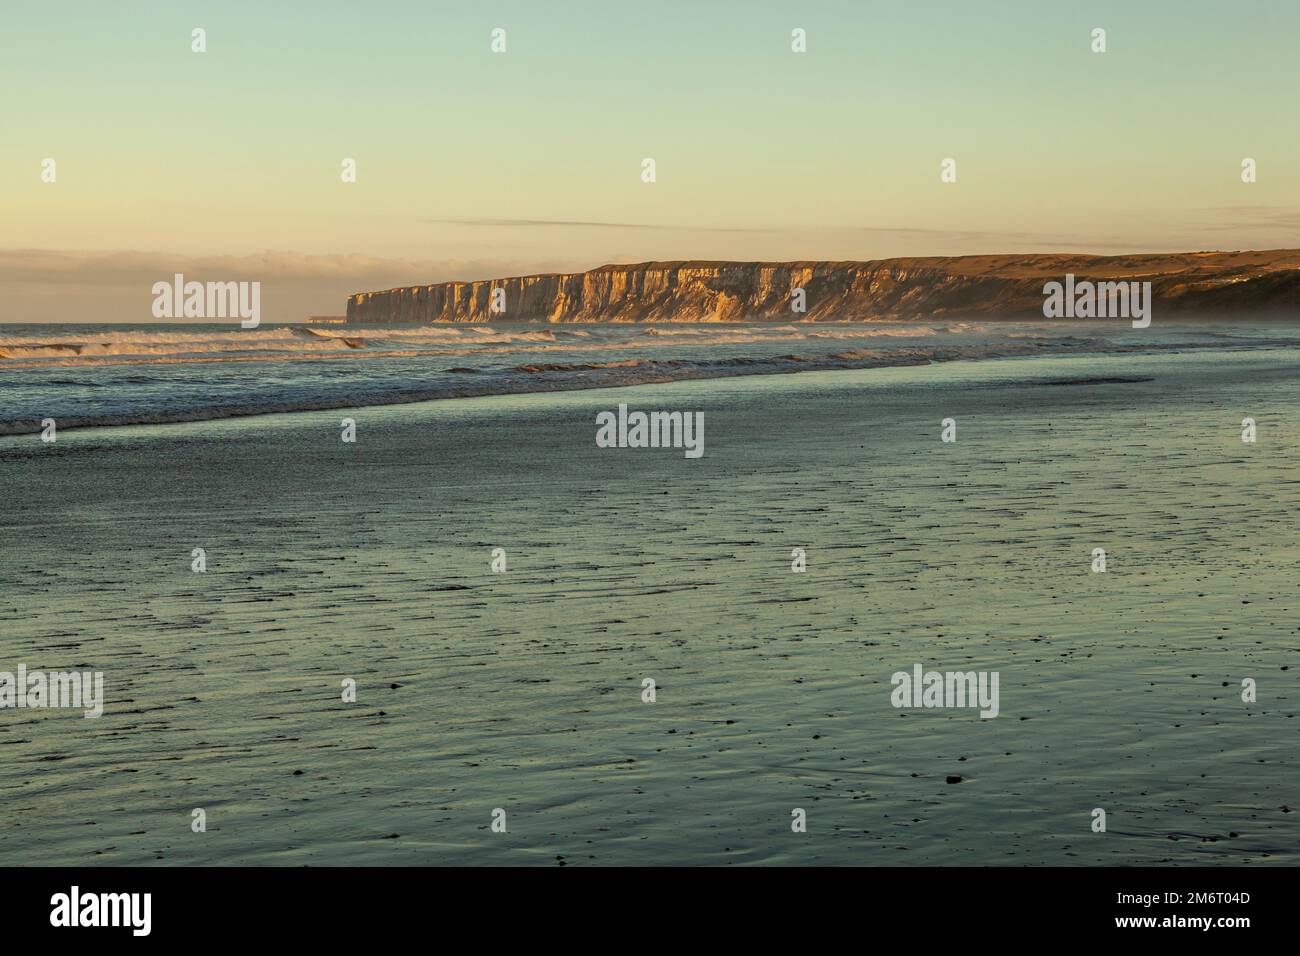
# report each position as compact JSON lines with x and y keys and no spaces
{"x":1006,"y":286}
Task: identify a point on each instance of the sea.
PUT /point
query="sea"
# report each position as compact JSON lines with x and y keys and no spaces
{"x":101,"y":374}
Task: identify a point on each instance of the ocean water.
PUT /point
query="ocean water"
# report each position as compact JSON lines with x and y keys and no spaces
{"x":522,"y":690}
{"x":109,"y":375}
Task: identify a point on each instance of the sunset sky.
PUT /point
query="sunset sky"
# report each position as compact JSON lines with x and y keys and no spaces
{"x":473,"y":164}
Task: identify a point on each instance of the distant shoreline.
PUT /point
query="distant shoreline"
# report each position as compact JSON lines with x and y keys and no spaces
{"x":1279,"y":317}
{"x":1243,"y":284}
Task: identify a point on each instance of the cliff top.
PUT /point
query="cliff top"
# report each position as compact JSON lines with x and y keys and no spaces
{"x":996,"y":265}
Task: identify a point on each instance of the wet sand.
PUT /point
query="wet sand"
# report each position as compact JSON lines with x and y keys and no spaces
{"x":522,"y":690}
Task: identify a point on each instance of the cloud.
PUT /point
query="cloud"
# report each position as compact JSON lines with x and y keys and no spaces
{"x":543,"y":223}
{"x":903,"y":239}
{"x":1253,"y":217}
{"x":133,"y":265}
{"x":662,"y":227}
{"x":44,"y":285}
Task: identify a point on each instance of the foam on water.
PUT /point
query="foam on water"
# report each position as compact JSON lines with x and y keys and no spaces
{"x":115,"y":375}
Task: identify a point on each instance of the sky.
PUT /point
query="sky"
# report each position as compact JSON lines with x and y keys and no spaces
{"x":472,"y":164}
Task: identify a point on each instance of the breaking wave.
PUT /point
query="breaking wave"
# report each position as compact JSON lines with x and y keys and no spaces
{"x":114,"y":375}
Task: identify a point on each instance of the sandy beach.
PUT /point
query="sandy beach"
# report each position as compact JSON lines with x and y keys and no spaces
{"x":522,"y":690}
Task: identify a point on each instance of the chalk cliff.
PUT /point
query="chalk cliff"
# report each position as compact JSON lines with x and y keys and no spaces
{"x":1218,"y":284}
